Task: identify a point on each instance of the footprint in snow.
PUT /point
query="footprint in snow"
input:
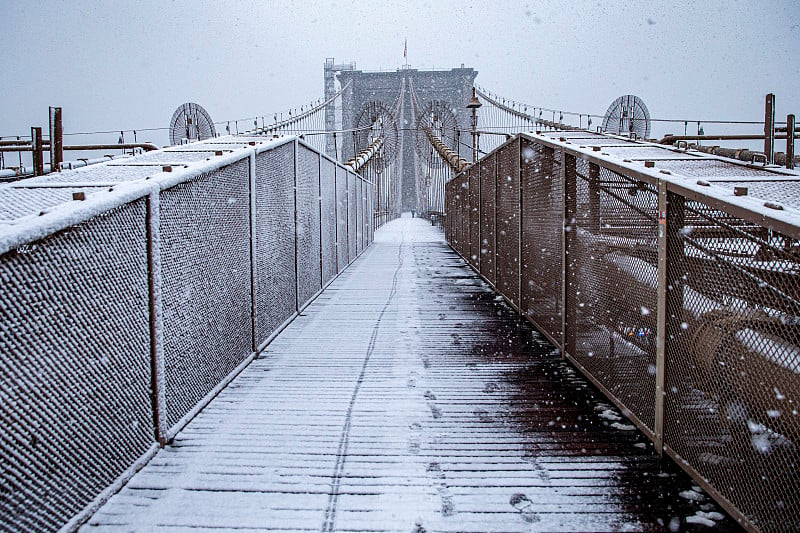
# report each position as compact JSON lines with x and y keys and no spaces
{"x":524,"y":505}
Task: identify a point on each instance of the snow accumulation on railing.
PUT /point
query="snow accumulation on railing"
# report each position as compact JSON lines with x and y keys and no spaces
{"x":671,"y":279}
{"x":134,"y":290}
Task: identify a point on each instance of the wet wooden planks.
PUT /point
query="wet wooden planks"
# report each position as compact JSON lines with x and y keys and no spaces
{"x":408,"y":397}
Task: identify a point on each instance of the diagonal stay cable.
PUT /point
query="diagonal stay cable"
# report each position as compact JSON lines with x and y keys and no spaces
{"x":344,"y":441}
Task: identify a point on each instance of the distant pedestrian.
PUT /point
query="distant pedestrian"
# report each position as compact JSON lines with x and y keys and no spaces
{"x":413,"y":213}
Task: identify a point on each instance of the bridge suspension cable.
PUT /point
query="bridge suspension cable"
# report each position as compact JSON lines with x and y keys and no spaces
{"x":438,"y":147}
{"x":309,"y":119}
{"x":376,"y":141}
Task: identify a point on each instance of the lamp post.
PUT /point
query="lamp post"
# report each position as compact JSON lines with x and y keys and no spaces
{"x":473,"y":105}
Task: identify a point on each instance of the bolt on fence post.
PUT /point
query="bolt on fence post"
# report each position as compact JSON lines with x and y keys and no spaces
{"x":769,"y":128}
{"x":790,"y":141}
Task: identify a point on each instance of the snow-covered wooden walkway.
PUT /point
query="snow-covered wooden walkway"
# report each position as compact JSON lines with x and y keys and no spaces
{"x":408,"y":398}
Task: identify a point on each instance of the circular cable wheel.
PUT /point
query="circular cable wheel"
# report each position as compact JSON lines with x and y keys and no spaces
{"x":627,"y":115}
{"x":375,"y":120}
{"x":189,"y":123}
{"x":440,"y":119}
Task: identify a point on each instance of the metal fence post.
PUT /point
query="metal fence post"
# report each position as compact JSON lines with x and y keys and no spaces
{"x":661,"y":317}
{"x":671,"y":279}
{"x":769,"y":128}
{"x":479,"y":179}
{"x":563,"y":295}
{"x":790,"y":141}
{"x":157,"y":371}
{"x":494,"y":227}
{"x":38,"y":152}
{"x":336,"y":215}
{"x":253,"y":257}
{"x":296,"y":237}
{"x":319,"y":208}
{"x":569,"y":173}
{"x":519,"y":230}
{"x":56,"y":139}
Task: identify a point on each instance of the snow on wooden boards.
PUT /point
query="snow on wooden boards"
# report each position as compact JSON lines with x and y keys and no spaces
{"x":406,"y":398}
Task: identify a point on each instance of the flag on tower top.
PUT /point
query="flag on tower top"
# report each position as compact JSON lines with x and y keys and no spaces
{"x":405,"y":49}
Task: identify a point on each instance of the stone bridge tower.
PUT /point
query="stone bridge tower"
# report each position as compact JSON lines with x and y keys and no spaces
{"x":451,"y":86}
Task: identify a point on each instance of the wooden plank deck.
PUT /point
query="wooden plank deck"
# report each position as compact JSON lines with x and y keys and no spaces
{"x":409,"y":398}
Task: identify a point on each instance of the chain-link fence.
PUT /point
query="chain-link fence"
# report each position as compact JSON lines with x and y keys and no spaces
{"x":679,"y":299}
{"x":127,"y":303}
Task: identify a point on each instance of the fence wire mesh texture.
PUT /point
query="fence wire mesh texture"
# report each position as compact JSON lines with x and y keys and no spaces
{"x":121,"y":313}
{"x":679,"y":301}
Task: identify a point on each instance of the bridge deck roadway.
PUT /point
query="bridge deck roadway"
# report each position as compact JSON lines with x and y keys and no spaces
{"x":408,"y":398}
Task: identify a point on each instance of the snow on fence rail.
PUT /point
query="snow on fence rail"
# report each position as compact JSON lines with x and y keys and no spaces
{"x":678,"y":298}
{"x":133,"y":291}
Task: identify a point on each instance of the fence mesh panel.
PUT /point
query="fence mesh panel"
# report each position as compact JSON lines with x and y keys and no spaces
{"x":462,"y":197}
{"x":639,"y":151}
{"x":784,"y":192}
{"x":732,"y":312}
{"x":309,"y":273}
{"x":352,"y":214}
{"x":114,"y":172}
{"x":455,"y":211}
{"x":74,"y":332}
{"x":371,"y":218}
{"x":448,"y":209}
{"x":508,"y":217}
{"x":368,"y":213}
{"x":359,"y":215}
{"x":341,"y":218}
{"x":466,"y":196}
{"x":710,"y":168}
{"x":16,"y":203}
{"x":275,"y":282}
{"x":474,"y":216}
{"x":205,"y":253}
{"x":458,"y":211}
{"x":75,"y":317}
{"x":612,"y":255}
{"x":172,"y":157}
{"x":327,"y":183}
{"x":542,"y":214}
{"x":488,"y":206}
{"x":732,"y":387}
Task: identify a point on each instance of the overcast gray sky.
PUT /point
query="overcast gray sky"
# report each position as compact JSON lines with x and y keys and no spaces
{"x":124,"y":65}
